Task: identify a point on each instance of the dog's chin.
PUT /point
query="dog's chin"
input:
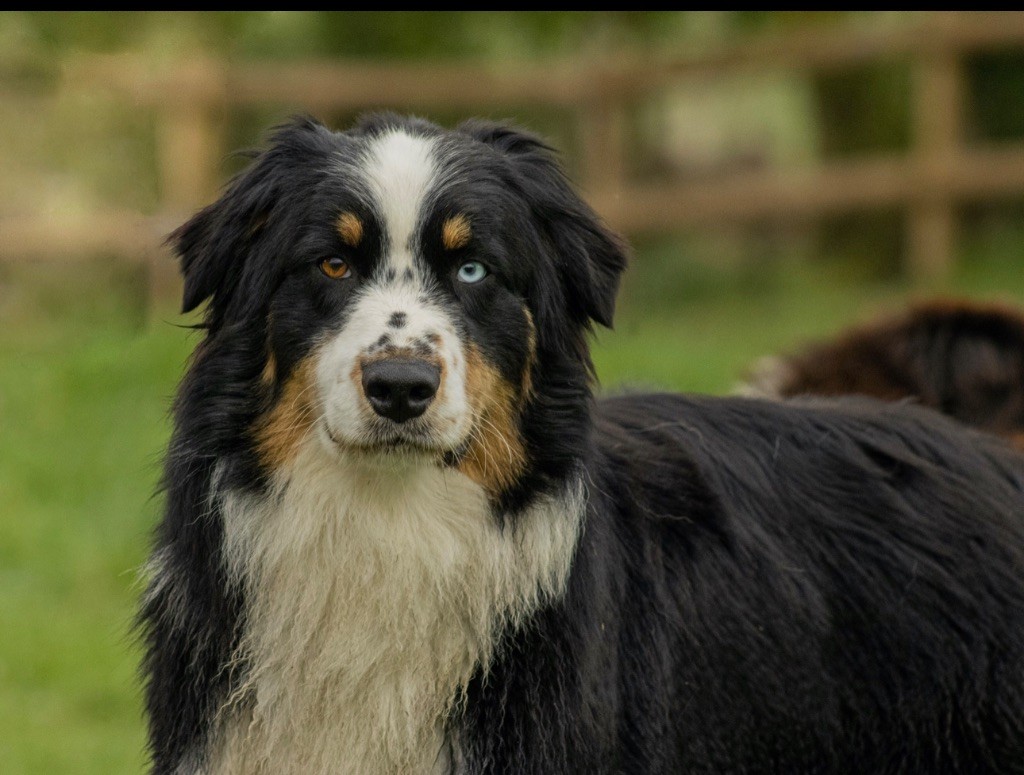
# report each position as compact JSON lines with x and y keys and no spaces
{"x":387,"y":445}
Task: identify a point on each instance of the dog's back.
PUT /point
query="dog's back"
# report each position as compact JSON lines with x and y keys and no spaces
{"x":828,"y":586}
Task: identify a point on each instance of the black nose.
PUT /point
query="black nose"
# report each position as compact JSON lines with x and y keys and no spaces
{"x":400,"y":389}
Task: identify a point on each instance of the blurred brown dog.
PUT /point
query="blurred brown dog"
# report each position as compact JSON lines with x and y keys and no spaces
{"x":964,"y":358}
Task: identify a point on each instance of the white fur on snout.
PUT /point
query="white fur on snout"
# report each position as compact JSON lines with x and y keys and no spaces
{"x":347,"y":413}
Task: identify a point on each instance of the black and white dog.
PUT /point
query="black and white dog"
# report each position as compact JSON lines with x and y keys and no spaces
{"x":402,"y":537}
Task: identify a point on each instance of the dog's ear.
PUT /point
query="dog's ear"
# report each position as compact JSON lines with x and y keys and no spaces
{"x":590,"y":258}
{"x":215,"y":244}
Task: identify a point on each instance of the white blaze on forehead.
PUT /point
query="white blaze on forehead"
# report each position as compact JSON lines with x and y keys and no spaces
{"x":400,"y":171}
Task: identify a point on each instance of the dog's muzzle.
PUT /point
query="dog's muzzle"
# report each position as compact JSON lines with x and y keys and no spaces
{"x":400,"y":389}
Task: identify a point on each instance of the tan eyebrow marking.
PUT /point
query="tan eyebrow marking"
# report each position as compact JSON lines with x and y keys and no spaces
{"x":350,"y":228}
{"x":455,"y":232}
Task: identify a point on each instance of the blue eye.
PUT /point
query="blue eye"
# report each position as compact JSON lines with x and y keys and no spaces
{"x":472,"y":272}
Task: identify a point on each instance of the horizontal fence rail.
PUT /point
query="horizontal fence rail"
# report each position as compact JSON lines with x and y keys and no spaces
{"x":938,"y":174}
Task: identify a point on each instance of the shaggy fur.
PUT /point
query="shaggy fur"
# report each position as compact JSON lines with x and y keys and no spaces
{"x":963,"y":358}
{"x":402,"y":536}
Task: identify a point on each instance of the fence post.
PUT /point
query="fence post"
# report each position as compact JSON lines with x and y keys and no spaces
{"x":189,"y":147}
{"x":937,"y":123}
{"x":603,"y":131}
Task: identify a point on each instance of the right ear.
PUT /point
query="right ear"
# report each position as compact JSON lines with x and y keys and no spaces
{"x":215,"y":243}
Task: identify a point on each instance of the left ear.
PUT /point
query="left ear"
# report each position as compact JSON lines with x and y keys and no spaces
{"x":219,"y":241}
{"x":590,"y":257}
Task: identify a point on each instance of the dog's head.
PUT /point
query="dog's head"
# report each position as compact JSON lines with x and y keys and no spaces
{"x":402,"y":293}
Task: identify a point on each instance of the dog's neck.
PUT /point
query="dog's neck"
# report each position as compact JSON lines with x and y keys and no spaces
{"x":373,"y":594}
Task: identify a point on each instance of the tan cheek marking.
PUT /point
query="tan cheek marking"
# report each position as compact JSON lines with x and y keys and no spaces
{"x":526,"y":389}
{"x":455,"y":233}
{"x":350,"y":229}
{"x":496,"y":455}
{"x":280,"y":431}
{"x":269,"y":370}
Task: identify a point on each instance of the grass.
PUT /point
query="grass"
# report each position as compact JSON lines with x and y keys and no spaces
{"x":85,"y":383}
{"x":83,"y":395}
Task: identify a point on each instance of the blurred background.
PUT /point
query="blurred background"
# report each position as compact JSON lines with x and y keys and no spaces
{"x":780,"y":175}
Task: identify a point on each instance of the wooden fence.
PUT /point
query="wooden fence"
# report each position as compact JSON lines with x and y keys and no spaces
{"x":941,"y":172}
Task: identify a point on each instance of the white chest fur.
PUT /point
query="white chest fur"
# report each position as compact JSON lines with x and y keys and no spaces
{"x":372,"y":596}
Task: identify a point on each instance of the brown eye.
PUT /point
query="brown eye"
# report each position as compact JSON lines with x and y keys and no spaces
{"x":335,"y":268}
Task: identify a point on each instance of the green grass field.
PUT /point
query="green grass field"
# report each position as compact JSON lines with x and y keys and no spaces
{"x":85,"y":382}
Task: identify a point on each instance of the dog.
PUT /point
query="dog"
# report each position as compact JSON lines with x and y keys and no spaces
{"x":961,"y":357}
{"x":401,"y":535}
